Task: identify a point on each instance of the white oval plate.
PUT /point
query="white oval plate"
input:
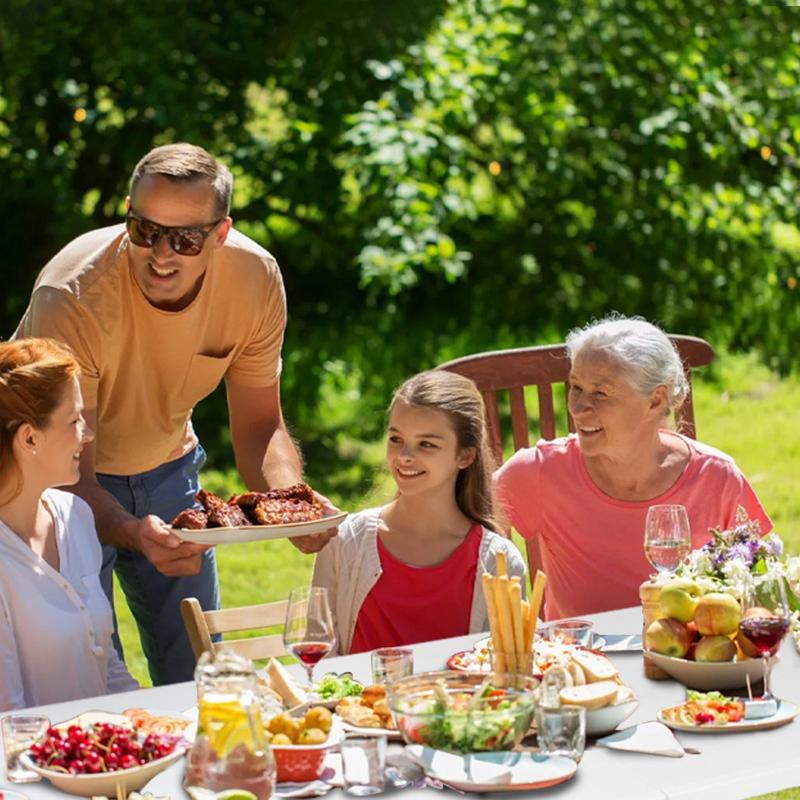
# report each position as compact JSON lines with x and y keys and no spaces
{"x":258,"y":533}
{"x":786,"y":713}
{"x":709,"y":676}
{"x":493,"y":772}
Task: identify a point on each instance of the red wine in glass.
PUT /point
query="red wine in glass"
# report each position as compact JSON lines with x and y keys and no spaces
{"x":310,"y":653}
{"x":764,"y":632}
{"x":309,"y":633}
{"x":766,"y":616}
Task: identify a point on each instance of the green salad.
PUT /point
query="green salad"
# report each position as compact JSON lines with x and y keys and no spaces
{"x":497,"y":720}
{"x":335,"y":687}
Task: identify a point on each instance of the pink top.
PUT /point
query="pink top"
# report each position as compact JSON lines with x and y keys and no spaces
{"x":591,"y":544}
{"x":419,"y":604}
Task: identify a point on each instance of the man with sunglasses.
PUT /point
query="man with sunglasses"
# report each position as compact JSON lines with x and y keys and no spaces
{"x":158,"y":311}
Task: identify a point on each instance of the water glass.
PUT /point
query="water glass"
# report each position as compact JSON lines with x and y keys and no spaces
{"x":571,"y":631}
{"x":363,"y":765}
{"x":20,"y":731}
{"x":389,"y":664}
{"x":561,"y":731}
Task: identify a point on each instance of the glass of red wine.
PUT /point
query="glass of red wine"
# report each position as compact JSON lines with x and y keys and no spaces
{"x":765,"y":616}
{"x":667,"y":538}
{"x":309,"y":635}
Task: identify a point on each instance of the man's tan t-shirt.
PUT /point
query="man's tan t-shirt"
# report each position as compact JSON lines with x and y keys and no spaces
{"x":144,"y":369}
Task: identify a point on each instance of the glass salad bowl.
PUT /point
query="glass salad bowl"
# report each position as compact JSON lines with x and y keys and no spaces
{"x":463,"y":712}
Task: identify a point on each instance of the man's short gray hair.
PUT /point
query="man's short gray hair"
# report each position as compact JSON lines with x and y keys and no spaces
{"x":643,"y":350}
{"x":183,"y":162}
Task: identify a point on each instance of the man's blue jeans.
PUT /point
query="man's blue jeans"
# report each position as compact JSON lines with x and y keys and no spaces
{"x":153,"y":598}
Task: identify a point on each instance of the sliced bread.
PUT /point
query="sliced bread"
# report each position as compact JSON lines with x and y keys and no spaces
{"x":595,"y":666}
{"x":590,"y":695}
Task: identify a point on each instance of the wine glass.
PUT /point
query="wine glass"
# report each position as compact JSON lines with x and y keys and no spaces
{"x":667,"y":540}
{"x":308,"y":633}
{"x":765,"y":616}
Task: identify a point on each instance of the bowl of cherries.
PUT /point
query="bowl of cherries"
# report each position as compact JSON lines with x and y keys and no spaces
{"x":94,"y":759}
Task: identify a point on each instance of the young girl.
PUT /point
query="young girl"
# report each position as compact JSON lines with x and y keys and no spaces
{"x":55,"y":621}
{"x":410,"y":571}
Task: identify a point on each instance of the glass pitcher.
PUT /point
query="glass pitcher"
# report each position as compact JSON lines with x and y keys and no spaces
{"x":230,"y":751}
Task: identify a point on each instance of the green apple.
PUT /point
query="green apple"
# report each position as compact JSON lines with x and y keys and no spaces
{"x":679,"y":599}
{"x":717,"y":613}
{"x":715,"y":648}
{"x":668,"y":637}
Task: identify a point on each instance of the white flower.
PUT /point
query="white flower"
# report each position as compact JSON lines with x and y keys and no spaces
{"x":736,"y":573}
{"x":699,"y":562}
{"x":792,"y":572}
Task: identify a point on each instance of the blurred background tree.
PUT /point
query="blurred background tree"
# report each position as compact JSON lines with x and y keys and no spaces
{"x":435,"y":178}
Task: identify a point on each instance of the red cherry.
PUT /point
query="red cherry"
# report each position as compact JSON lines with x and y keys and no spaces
{"x":76,"y":766}
{"x":128,"y":761}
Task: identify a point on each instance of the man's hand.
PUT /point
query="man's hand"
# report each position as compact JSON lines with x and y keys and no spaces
{"x":170,"y":555}
{"x":314,"y":542}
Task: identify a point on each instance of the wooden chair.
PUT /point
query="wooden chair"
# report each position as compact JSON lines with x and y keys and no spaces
{"x":543,"y":366}
{"x":202,"y":625}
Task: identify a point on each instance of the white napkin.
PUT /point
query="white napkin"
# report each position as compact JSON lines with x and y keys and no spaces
{"x":653,"y":738}
{"x":621,"y":643}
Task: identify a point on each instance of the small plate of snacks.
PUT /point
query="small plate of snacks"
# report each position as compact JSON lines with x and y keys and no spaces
{"x":368,"y":714}
{"x":714,"y":712}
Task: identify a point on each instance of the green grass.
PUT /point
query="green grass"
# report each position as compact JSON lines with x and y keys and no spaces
{"x":740,"y":406}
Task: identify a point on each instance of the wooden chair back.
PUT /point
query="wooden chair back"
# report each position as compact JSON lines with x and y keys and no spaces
{"x":543,"y":367}
{"x":202,"y":625}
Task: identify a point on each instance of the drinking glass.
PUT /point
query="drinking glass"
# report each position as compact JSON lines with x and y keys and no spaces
{"x":20,"y":731}
{"x":389,"y":664}
{"x":765,"y":616}
{"x":570,"y":631}
{"x":309,"y":633}
{"x":561,"y":730}
{"x":363,"y":764}
{"x":667,"y":539}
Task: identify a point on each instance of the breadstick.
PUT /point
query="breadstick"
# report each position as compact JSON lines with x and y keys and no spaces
{"x":536,"y":598}
{"x":500,"y":565}
{"x":503,"y":601}
{"x":527,"y":624}
{"x":515,"y":599}
{"x":490,"y":594}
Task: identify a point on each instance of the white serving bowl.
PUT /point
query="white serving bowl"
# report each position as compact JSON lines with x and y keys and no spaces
{"x":600,"y":721}
{"x":711,"y":675}
{"x":104,"y":783}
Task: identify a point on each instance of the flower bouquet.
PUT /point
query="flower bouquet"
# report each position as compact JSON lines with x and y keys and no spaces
{"x":727,"y":560}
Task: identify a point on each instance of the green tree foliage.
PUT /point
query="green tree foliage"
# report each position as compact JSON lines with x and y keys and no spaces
{"x":436,"y":177}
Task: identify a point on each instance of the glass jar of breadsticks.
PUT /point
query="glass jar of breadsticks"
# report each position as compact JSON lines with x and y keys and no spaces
{"x":512,"y":619}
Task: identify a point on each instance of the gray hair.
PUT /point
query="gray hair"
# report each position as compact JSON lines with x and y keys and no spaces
{"x":642,"y":349}
{"x":183,"y":162}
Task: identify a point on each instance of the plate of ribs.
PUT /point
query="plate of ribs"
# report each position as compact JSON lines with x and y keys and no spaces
{"x":254,"y":516}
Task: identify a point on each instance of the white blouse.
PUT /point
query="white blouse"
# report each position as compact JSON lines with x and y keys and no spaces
{"x":55,"y":626}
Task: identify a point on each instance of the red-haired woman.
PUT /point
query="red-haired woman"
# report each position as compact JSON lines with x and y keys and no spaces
{"x":55,"y":621}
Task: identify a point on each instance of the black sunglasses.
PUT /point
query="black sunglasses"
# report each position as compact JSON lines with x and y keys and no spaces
{"x":184,"y":241}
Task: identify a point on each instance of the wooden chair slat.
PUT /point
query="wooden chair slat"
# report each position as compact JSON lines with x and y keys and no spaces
{"x":519,"y":418}
{"x":547,"y":416}
{"x":493,"y":425}
{"x":264,"y":615}
{"x":259,"y":647}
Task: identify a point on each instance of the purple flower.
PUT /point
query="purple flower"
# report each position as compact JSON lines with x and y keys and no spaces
{"x":773,"y":546}
{"x":743,"y":551}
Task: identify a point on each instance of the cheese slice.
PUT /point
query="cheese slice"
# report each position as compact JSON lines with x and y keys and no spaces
{"x":284,"y":684}
{"x":590,"y":695}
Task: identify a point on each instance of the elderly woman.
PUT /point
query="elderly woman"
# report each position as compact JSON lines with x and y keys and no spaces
{"x":55,"y":621}
{"x":585,"y":497}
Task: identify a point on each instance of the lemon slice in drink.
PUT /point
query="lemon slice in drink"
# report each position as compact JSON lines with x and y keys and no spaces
{"x":227,"y":725}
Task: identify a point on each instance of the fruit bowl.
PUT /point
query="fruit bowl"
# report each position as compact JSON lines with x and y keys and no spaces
{"x":711,"y":675}
{"x":104,"y":783}
{"x":460,"y":712}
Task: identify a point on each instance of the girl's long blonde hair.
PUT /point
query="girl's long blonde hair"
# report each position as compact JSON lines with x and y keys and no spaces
{"x":460,"y":400}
